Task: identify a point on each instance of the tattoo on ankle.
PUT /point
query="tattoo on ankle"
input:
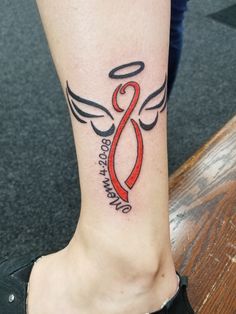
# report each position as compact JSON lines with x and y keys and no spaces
{"x":118,"y":192}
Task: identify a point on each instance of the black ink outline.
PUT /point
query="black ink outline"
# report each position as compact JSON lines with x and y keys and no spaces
{"x":87,"y":101}
{"x":163,"y":101}
{"x":73,"y":109}
{"x":148,"y":127}
{"x":77,"y":112}
{"x":113,"y":75}
{"x":85,"y":114}
{"x":160,"y":104}
{"x":154,"y":94}
{"x":103,"y":133}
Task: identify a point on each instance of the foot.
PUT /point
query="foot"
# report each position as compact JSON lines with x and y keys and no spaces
{"x":71,"y":283}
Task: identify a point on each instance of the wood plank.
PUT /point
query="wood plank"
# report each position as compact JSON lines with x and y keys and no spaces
{"x":203,"y":223}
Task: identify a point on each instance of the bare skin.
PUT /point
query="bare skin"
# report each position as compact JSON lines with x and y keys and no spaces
{"x":119,"y":260}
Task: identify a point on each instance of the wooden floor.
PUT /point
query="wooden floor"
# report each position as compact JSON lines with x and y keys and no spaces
{"x":203,"y":223}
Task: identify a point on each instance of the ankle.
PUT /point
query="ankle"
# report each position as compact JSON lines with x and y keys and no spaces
{"x":132,"y":251}
{"x":133,"y":262}
{"x":149,"y":279}
{"x":91,"y":287}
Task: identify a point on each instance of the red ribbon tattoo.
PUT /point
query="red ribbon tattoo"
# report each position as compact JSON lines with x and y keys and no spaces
{"x":130,"y":181}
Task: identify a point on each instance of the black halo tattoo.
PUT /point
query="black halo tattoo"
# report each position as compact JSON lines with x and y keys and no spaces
{"x":113,"y":74}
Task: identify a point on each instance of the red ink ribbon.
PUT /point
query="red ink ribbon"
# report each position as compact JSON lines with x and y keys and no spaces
{"x":130,"y":181}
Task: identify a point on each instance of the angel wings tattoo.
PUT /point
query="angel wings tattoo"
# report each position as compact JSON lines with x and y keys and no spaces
{"x":89,"y":111}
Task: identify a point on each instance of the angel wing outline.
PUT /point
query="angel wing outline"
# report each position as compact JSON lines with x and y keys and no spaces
{"x":161,"y":104}
{"x":82,"y":116}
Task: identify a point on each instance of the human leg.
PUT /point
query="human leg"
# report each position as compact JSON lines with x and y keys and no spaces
{"x":119,"y":260}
